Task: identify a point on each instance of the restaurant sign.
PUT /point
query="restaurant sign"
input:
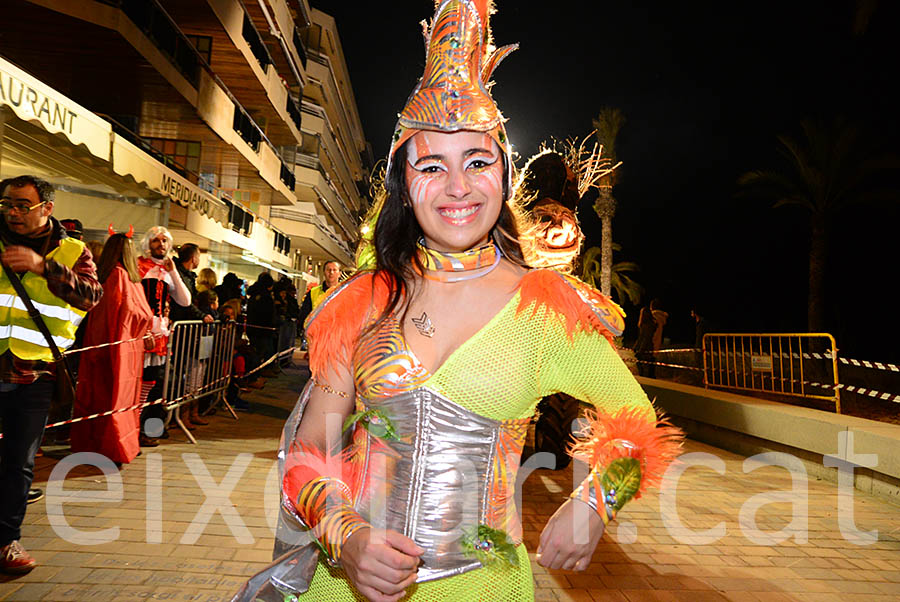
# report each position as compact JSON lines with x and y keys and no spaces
{"x":32,"y":100}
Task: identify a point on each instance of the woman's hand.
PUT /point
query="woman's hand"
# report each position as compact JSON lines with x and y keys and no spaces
{"x":381,"y":564}
{"x":565,"y":545}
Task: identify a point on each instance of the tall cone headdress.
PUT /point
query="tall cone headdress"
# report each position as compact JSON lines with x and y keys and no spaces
{"x":453,"y":94}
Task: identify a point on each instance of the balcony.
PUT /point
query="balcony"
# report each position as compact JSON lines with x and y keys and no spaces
{"x":257,"y":47}
{"x":288,"y":177}
{"x":294,"y":112}
{"x":246,"y":127}
{"x":300,"y":47}
{"x":156,"y":24}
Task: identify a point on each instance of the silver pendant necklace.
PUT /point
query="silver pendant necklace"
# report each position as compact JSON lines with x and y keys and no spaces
{"x":423,"y":325}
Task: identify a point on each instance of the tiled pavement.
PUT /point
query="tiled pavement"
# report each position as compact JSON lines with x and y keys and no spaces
{"x":176,"y":551}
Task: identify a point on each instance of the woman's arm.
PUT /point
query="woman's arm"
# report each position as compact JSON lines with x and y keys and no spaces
{"x":380,"y":564}
{"x":625,"y":446}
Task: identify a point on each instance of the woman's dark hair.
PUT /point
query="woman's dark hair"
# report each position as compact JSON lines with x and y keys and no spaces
{"x":118,"y":250}
{"x":397,"y":231}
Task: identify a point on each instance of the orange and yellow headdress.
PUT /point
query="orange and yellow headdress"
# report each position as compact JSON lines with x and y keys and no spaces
{"x":454,"y":92}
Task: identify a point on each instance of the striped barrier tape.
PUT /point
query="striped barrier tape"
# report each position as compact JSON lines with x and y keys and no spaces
{"x":818,"y":356}
{"x":146,"y":404}
{"x":880,"y":395}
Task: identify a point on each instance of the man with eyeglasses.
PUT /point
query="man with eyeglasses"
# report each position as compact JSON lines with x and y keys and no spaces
{"x":59,"y":276}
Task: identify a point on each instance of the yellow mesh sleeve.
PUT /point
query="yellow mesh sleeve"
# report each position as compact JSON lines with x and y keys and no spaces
{"x":589,"y":368}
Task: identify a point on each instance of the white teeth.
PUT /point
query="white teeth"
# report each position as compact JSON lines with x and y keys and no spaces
{"x":459,"y":213}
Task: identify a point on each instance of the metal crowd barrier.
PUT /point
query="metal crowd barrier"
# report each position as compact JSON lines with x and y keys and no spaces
{"x":782,"y":363}
{"x":287,"y":336}
{"x":198,"y":365}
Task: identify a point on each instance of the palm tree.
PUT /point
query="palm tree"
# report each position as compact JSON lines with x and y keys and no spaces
{"x":862,"y":15}
{"x":607,"y":125}
{"x":824,"y":171}
{"x":620,"y":280}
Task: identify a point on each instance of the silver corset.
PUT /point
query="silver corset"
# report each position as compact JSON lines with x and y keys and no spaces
{"x":433,"y":482}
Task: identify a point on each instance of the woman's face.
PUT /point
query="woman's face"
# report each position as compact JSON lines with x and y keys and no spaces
{"x":455,"y":184}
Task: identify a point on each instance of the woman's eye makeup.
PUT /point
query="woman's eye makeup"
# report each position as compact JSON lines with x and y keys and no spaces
{"x":480,"y":163}
{"x":430,"y":167}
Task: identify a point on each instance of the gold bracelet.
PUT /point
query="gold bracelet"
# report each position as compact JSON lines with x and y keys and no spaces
{"x":329,"y":389}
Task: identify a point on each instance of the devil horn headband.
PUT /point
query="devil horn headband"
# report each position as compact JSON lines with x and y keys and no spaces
{"x":128,"y":234}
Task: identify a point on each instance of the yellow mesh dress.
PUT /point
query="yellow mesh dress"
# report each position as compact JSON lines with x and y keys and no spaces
{"x":527,"y":351}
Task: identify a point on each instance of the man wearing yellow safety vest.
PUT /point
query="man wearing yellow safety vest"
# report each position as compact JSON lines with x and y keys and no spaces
{"x":59,"y":276}
{"x":317,"y":293}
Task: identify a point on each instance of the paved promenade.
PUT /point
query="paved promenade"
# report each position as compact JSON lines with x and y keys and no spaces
{"x":154,"y":534}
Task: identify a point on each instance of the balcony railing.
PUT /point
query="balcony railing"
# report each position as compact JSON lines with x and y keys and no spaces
{"x":308,"y":161}
{"x":247,"y":128}
{"x":148,"y":148}
{"x":288,"y":177}
{"x":294,"y":111}
{"x":257,"y":47}
{"x":157,"y":25}
{"x":317,"y":221}
{"x":282,"y":243}
{"x":241,"y":221}
{"x":300,"y":46}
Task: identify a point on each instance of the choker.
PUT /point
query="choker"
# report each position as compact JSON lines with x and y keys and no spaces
{"x":442,"y":266}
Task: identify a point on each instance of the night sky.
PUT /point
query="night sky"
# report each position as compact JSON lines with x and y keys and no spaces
{"x":706,"y":88}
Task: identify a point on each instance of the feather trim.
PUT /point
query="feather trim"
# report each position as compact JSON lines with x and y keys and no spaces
{"x":629,"y":434}
{"x":577,"y":305}
{"x":305,"y":463}
{"x":333,"y":330}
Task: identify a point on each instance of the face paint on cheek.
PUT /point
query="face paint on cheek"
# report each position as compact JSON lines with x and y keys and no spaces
{"x":492,"y":176}
{"x":420,"y":186}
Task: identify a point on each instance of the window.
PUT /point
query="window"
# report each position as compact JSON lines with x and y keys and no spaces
{"x":181,"y":155}
{"x":203,"y":44}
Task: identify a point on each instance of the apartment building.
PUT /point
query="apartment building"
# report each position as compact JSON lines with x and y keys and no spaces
{"x":233,"y":122}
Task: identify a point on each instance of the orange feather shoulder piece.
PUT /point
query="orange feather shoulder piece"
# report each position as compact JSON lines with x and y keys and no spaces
{"x":577,"y":305}
{"x":333,"y":328}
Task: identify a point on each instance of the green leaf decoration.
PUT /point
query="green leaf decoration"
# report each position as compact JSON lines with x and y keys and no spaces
{"x":490,"y":546}
{"x":621,"y":481}
{"x":375,"y":421}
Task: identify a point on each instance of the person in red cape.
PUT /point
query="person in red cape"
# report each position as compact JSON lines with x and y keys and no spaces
{"x":110,"y":377}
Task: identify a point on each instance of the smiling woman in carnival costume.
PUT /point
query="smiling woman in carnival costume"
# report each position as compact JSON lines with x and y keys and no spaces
{"x":399,"y":462}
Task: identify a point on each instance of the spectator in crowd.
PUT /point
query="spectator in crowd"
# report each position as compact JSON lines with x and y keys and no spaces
{"x":261,"y":317}
{"x":74,"y":229}
{"x":231,"y":310}
{"x":206,"y":280}
{"x":110,"y":377}
{"x":239,"y":379}
{"x":208,"y":303}
{"x":187,"y":261}
{"x":660,"y":317}
{"x":288,"y":313}
{"x":161,"y":284}
{"x":231,"y":288}
{"x":58,"y":274}
{"x":62,"y":404}
{"x":643,"y":347}
{"x":96,"y":247}
{"x":702,"y":327}
{"x":317,"y":293}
